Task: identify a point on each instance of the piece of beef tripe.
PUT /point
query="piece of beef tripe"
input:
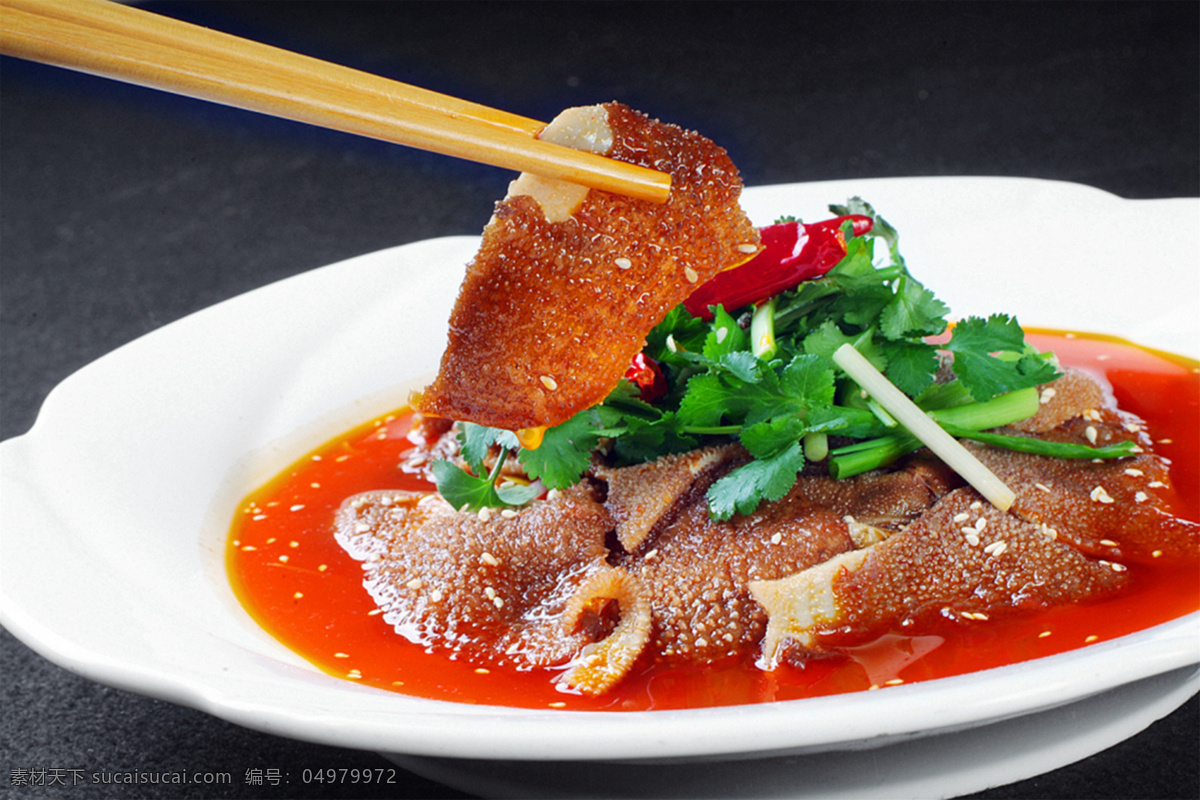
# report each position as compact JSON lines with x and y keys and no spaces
{"x":568,"y":282}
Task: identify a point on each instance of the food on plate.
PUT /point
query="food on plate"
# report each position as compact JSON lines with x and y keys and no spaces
{"x":568,"y":282}
{"x":670,"y":460}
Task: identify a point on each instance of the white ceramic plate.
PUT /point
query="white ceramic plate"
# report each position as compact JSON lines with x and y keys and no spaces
{"x":116,"y":504}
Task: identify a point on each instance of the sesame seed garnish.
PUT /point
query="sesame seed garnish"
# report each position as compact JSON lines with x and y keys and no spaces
{"x":777,"y":538}
{"x":1117,"y":567}
{"x":322,"y":567}
{"x":1156,"y":484}
{"x":297,"y":507}
{"x":1047,"y":395}
{"x":972,"y":539}
{"x":258,"y":517}
{"x":962,"y":517}
{"x":374,"y":612}
{"x":623,"y":263}
{"x":361,"y":527}
{"x":1098,"y":495}
{"x":489,"y":559}
{"x":484,"y":514}
{"x":981,"y":523}
{"x":1043,"y":634}
{"x":558,"y":704}
{"x":1043,"y":487}
{"x":509,"y":513}
{"x":498,"y":602}
{"x":415,"y":583}
{"x":549,"y":382}
{"x":354,"y":675}
{"x":341,"y":655}
{"x":996,"y":548}
{"x":671,"y":345}
{"x":284,"y":559}
{"x":691,"y":274}
{"x":722,"y":334}
{"x":1134,"y":473}
{"x":1156,"y":554}
{"x":293,"y":544}
{"x":340,"y":459}
{"x":1091,"y":639}
{"x":482,"y":671}
{"x":436,"y":595}
{"x":1090,"y":433}
{"x":1108,"y":543}
{"x":894,"y":682}
{"x":297,"y":595}
{"x":976,"y":506}
{"x":1166,"y":441}
{"x":553,"y":494}
{"x":249,"y":548}
{"x":489,"y":592}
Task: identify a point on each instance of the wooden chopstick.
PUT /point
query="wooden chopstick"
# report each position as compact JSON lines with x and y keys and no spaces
{"x":138,"y":47}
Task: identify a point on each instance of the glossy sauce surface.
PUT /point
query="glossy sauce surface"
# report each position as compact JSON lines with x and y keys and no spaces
{"x":299,"y":584}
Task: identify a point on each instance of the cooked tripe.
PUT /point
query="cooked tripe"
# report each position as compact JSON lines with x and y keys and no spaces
{"x":568,"y":281}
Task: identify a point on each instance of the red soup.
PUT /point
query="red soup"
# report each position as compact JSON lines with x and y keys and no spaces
{"x":299,"y":584}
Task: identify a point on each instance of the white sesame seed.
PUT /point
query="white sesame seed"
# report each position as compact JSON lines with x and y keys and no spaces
{"x":996,"y":548}
{"x":691,"y":274}
{"x":297,"y":595}
{"x":777,"y":538}
{"x":1134,"y":473}
{"x":963,"y":517}
{"x":435,"y":595}
{"x":498,"y":602}
{"x":361,"y":527}
{"x":1043,"y":634}
{"x":1157,"y":554}
{"x":549,"y":382}
{"x":374,"y":612}
{"x":553,"y":494}
{"x":1108,"y":543}
{"x":293,"y":544}
{"x":894,"y":682}
{"x":1047,"y":395}
{"x":972,"y":539}
{"x":671,"y":345}
{"x":1156,"y":484}
{"x":341,"y":655}
{"x":258,"y":517}
{"x":1141,"y":497}
{"x":976,"y":506}
{"x":415,"y":583}
{"x":559,"y":704}
{"x":482,"y":671}
{"x":1090,"y":433}
{"x":322,"y":568}
{"x":484,"y":514}
{"x":1098,"y":495}
{"x":249,"y":548}
{"x":623,"y":263}
{"x":722,"y":334}
{"x":747,"y":248}
{"x":1043,"y":487}
{"x":283,"y":559}
{"x":1165,"y":441}
{"x":489,"y":592}
{"x":489,"y":559}
{"x":981,"y":523}
{"x":1091,"y":639}
{"x":1117,"y":567}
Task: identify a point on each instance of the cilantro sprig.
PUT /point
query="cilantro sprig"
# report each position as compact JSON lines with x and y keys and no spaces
{"x":765,"y":377}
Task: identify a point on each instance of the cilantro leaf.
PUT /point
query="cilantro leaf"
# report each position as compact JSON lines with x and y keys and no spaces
{"x":744,"y":488}
{"x":463,"y":490}
{"x":566,"y":449}
{"x":985,"y":375}
{"x":476,"y":442}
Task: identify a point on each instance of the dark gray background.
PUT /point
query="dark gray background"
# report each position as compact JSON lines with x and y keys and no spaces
{"x":122,"y":209}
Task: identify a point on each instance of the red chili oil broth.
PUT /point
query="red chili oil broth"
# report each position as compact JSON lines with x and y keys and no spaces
{"x":298,"y":583}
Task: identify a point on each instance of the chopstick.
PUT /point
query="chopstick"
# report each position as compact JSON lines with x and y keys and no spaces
{"x":146,"y":49}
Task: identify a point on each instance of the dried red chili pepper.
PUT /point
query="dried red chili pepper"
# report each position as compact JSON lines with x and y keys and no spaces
{"x":645,"y":373}
{"x":792,"y":252}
